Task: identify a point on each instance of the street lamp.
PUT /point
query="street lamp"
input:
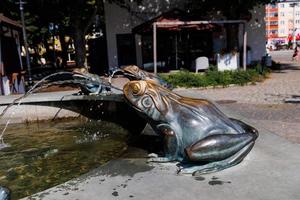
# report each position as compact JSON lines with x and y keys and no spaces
{"x":30,"y":82}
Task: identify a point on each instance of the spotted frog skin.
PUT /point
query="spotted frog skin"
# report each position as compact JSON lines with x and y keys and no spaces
{"x":196,"y":132}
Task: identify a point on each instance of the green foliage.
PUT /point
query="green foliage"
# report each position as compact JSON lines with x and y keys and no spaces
{"x":231,"y":9}
{"x":215,"y":78}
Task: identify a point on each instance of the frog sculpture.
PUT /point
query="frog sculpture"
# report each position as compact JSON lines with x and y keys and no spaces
{"x":93,"y":84}
{"x":196,"y":132}
{"x":133,"y":72}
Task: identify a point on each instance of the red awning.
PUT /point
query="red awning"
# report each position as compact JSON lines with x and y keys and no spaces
{"x":177,"y":25}
{"x":174,"y":20}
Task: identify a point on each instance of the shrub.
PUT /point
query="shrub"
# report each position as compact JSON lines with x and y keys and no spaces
{"x":212,"y":77}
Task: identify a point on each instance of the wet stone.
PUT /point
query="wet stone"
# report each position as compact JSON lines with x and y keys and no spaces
{"x":217,"y":182}
{"x":199,"y":178}
{"x":115,"y":193}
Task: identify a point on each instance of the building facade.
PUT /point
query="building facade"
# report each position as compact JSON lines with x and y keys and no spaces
{"x":271,"y":21}
{"x":283,"y":22}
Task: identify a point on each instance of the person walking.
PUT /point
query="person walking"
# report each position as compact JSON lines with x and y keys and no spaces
{"x":296,"y":54}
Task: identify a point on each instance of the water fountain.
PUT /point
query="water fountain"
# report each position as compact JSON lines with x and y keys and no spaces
{"x":196,"y":132}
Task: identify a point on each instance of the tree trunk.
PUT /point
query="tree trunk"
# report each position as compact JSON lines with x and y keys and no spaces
{"x":64,"y":48}
{"x":80,"y":51}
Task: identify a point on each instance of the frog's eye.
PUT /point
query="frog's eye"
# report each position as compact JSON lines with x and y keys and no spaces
{"x":138,"y":88}
{"x":146,"y":102}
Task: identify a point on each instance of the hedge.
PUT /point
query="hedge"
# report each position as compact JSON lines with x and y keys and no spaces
{"x":212,"y":77}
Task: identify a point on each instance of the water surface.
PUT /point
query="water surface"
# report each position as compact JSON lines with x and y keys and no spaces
{"x":44,"y":154}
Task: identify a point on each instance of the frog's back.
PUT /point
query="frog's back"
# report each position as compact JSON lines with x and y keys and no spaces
{"x":200,"y":118}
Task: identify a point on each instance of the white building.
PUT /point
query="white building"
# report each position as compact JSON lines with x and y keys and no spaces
{"x":288,"y":18}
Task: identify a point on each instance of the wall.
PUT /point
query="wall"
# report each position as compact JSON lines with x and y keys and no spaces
{"x":117,"y":22}
{"x":288,"y":18}
{"x":256,"y":31}
{"x":120,"y":20}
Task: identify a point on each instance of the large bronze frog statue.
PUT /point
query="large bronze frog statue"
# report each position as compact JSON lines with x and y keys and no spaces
{"x":196,"y":132}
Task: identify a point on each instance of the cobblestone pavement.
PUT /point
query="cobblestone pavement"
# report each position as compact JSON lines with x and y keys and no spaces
{"x":264,"y":103}
{"x":282,"y":119}
{"x":278,"y":87}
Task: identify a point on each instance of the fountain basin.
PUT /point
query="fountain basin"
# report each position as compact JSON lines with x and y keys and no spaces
{"x":61,"y":150}
{"x":55,"y":105}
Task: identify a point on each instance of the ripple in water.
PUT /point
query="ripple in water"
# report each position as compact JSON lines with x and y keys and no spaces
{"x":42,"y":155}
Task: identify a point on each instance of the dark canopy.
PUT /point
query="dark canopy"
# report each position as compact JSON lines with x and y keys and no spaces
{"x":173,"y":20}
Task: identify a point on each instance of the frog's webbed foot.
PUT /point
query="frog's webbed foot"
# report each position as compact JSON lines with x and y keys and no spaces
{"x":155,"y":158}
{"x":218,"y":165}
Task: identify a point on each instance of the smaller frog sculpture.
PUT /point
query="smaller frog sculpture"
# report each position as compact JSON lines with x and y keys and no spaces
{"x":133,"y":72}
{"x":93,"y":84}
{"x":196,"y":132}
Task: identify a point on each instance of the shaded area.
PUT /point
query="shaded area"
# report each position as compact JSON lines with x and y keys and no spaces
{"x":109,"y":108}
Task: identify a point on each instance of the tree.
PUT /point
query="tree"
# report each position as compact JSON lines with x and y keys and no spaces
{"x":230,"y":9}
{"x":74,"y":18}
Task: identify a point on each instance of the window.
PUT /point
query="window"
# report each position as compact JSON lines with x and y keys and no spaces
{"x":297,"y":21}
{"x":297,"y":13}
{"x":274,"y":23}
{"x":272,"y":14}
{"x":281,"y":5}
{"x":294,"y":4}
{"x":282,"y":31}
{"x":281,"y":22}
{"x":282,"y":14}
{"x":274,"y":32}
{"x":272,"y":5}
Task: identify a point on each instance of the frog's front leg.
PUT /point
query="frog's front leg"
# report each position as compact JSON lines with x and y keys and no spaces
{"x":171,"y":151}
{"x":219,"y":151}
